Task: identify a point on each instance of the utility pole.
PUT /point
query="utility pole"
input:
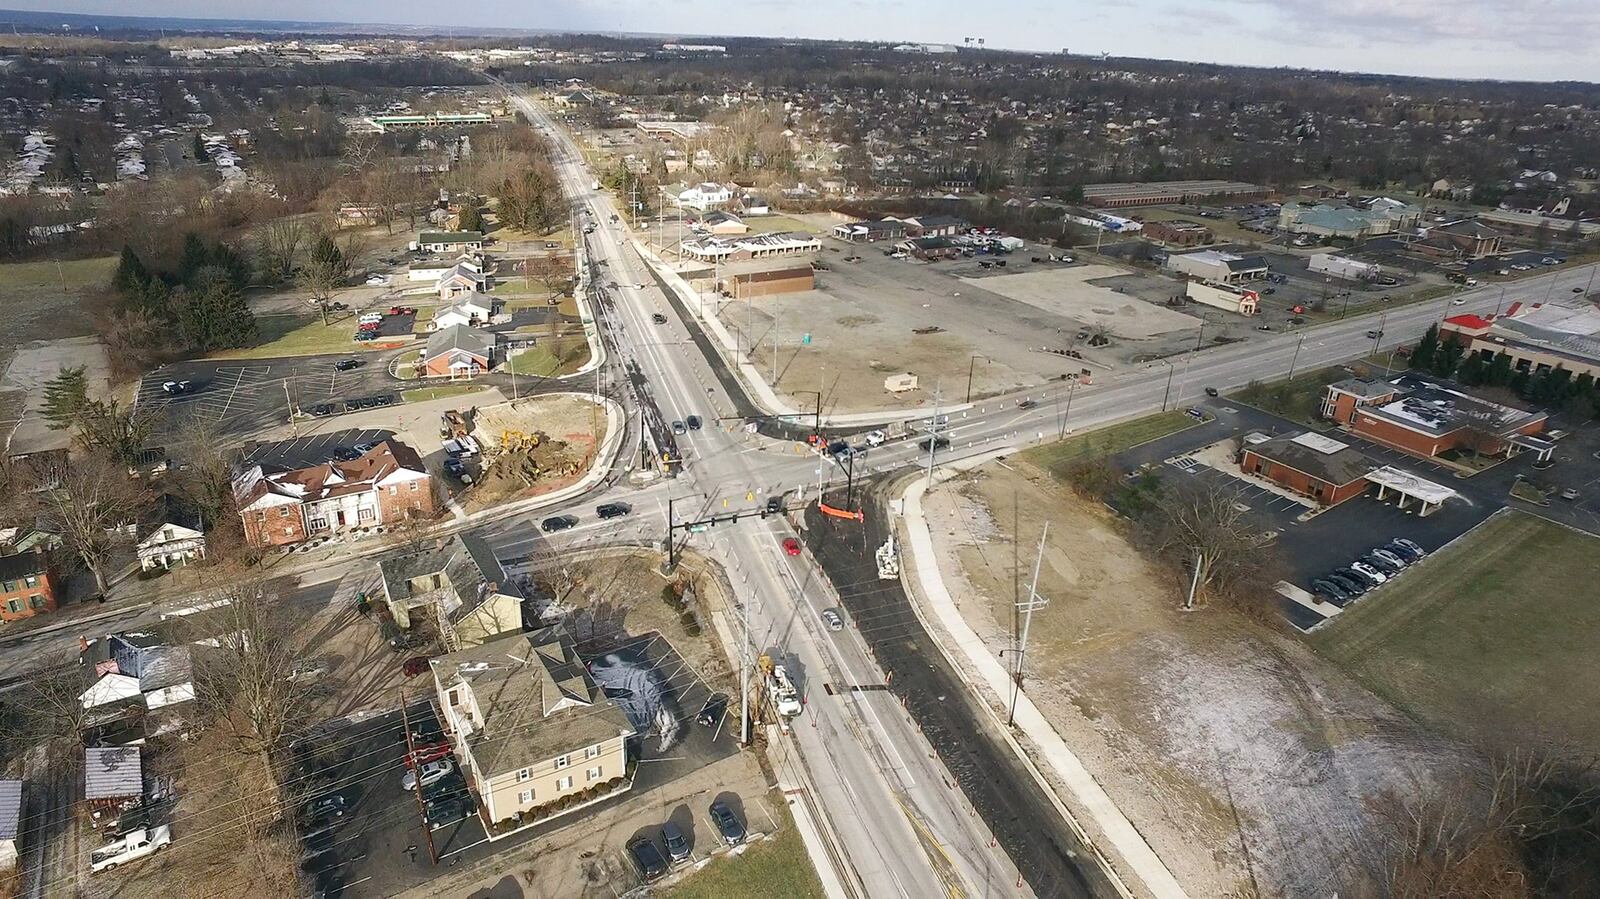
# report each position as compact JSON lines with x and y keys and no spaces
{"x":970,"y":363}
{"x":1168,"y":392}
{"x":1068,"y":412}
{"x":1194,"y":583}
{"x":411,"y":762}
{"x":933,"y":433}
{"x":746,"y":732}
{"x":294,"y":424}
{"x":1026,"y":607}
{"x":1296,"y":357}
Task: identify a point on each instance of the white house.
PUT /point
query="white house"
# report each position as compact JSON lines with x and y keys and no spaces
{"x":170,"y":544}
{"x":461,"y":280}
{"x":467,"y":309}
{"x":705,"y":195}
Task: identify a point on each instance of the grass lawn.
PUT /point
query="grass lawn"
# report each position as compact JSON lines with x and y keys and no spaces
{"x":567,"y":355}
{"x":776,"y":867}
{"x":297,"y":335}
{"x":1054,"y":457}
{"x":1491,"y":638}
{"x":766,"y":224}
{"x":1297,"y":398}
{"x":423,"y":394}
{"x":72,"y":276}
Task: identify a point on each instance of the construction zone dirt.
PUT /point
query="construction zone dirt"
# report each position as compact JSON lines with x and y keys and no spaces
{"x":535,"y":445}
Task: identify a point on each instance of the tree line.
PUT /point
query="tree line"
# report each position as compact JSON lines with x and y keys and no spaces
{"x":1447,"y":357}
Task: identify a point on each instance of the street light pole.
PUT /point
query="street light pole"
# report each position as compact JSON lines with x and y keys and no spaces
{"x":970,"y":363}
{"x":1296,"y":357}
{"x":1168,"y":393}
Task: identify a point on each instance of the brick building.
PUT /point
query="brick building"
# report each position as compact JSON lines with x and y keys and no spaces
{"x":283,"y":507}
{"x":769,"y":282}
{"x":1311,"y":465}
{"x":1179,"y":233}
{"x":1425,"y":418}
{"x":28,"y":585}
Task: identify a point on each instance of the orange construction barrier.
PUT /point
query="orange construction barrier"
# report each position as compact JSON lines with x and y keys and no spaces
{"x":826,"y":509}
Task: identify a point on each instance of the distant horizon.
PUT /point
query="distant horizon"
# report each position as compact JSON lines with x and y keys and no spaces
{"x":243,"y":15}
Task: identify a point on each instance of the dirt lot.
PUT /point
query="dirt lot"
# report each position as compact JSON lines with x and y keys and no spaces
{"x":1242,"y":757}
{"x":862,"y":317}
{"x":572,"y":429}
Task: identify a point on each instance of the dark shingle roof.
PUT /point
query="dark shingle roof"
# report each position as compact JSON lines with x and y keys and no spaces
{"x":461,"y":337}
{"x":1337,"y":468}
{"x":10,"y":809}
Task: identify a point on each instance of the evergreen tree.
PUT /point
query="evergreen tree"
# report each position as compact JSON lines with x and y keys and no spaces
{"x":131,"y":275}
{"x":199,"y":148}
{"x":196,"y":255}
{"x":325,"y":253}
{"x":1447,"y":357}
{"x":1500,"y":370}
{"x":65,"y":396}
{"x":470,"y":219}
{"x":1472,"y":370}
{"x":1422,"y":355}
{"x":212,"y":314}
{"x":232,"y":263}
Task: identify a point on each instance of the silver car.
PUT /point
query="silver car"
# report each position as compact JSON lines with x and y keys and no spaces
{"x":832,"y":618}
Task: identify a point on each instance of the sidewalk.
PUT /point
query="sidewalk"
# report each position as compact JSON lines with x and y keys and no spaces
{"x":922,"y":572}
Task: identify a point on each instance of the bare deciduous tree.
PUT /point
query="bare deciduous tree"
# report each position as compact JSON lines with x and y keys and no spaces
{"x":94,"y":501}
{"x":1196,"y":527}
{"x":279,"y":247}
{"x":246,"y":684}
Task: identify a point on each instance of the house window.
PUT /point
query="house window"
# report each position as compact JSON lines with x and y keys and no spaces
{"x":36,"y":601}
{"x":413,"y":486}
{"x":11,"y":586}
{"x":283,"y":511}
{"x":562,"y":761}
{"x":14,"y":605}
{"x":593,"y":752}
{"x":318,"y":524}
{"x":564,"y":783}
{"x":363,"y":514}
{"x":525,"y":797}
{"x":455,"y":697}
{"x":31,"y":580}
{"x":593,"y":774}
{"x":523,"y":774}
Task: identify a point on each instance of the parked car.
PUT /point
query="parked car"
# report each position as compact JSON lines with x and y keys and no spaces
{"x":647,"y":858}
{"x":677,"y":844}
{"x":728,"y":825}
{"x":1330,"y":591}
{"x":791,"y":546}
{"x":693,"y":422}
{"x":1392,"y":557}
{"x":346,"y":453}
{"x":1384,"y":565}
{"x":1569,"y":494}
{"x":608,"y":511}
{"x":134,"y":846}
{"x":371,"y":318}
{"x":430,"y":773}
{"x":833,"y":619}
{"x":711,"y":712}
{"x":1411,"y":545}
{"x":325,"y":807}
{"x":1351,"y":583}
{"x":175,"y":388}
{"x":558,"y":523}
{"x":658,"y":318}
{"x":446,"y":811}
{"x":321,"y":409}
{"x":346,"y":364}
{"x":414,"y":666}
{"x":1351,"y":573}
{"x":1195,"y":413}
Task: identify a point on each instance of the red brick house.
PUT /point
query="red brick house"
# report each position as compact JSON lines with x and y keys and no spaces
{"x":283,"y":507}
{"x":458,"y":352}
{"x":28,"y":585}
{"x":1311,"y":465}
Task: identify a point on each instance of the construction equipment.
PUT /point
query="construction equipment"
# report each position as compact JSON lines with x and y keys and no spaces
{"x":453,"y":425}
{"x":888,"y":556}
{"x":785,"y":698}
{"x":518,"y":441}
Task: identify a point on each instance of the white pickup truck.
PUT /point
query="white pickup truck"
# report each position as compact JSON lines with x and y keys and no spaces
{"x":135,"y":845}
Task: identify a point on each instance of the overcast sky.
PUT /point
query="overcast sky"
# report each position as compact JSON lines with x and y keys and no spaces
{"x":1513,"y":39}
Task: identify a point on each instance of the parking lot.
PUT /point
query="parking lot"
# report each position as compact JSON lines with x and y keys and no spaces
{"x":377,"y":847}
{"x":240,"y":397}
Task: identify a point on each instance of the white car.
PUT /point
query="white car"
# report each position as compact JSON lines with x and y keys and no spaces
{"x":372,"y":318}
{"x":377,"y":281}
{"x":432,"y":773}
{"x":135,"y":845}
{"x":1369,"y":571}
{"x":875,"y":438}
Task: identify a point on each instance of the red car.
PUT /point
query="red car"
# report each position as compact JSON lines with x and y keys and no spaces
{"x":402,"y":310}
{"x":791,"y":546}
{"x":414,"y":666}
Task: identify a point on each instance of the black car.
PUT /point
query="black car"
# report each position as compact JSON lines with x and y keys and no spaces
{"x":934,"y":443}
{"x":1366,"y":581}
{"x":321,"y":409}
{"x":774,"y":505}
{"x":647,"y":858}
{"x":345,"y":454}
{"x":351,"y":406}
{"x":659,"y":319}
{"x":454,"y":468}
{"x":346,"y":364}
{"x":693,"y":422}
{"x":1349,"y":585}
{"x":608,"y":511}
{"x":1330,"y":591}
{"x":386,"y":399}
{"x":712,"y":711}
{"x":1026,"y":404}
{"x":558,"y":523}
{"x":677,"y":844}
{"x":727,"y":824}
{"x":1402,"y":550}
{"x":324,"y":807}
{"x":446,"y":811}
{"x":1382,"y":564}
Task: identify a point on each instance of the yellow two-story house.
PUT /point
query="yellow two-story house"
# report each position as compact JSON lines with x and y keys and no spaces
{"x":535,"y":735}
